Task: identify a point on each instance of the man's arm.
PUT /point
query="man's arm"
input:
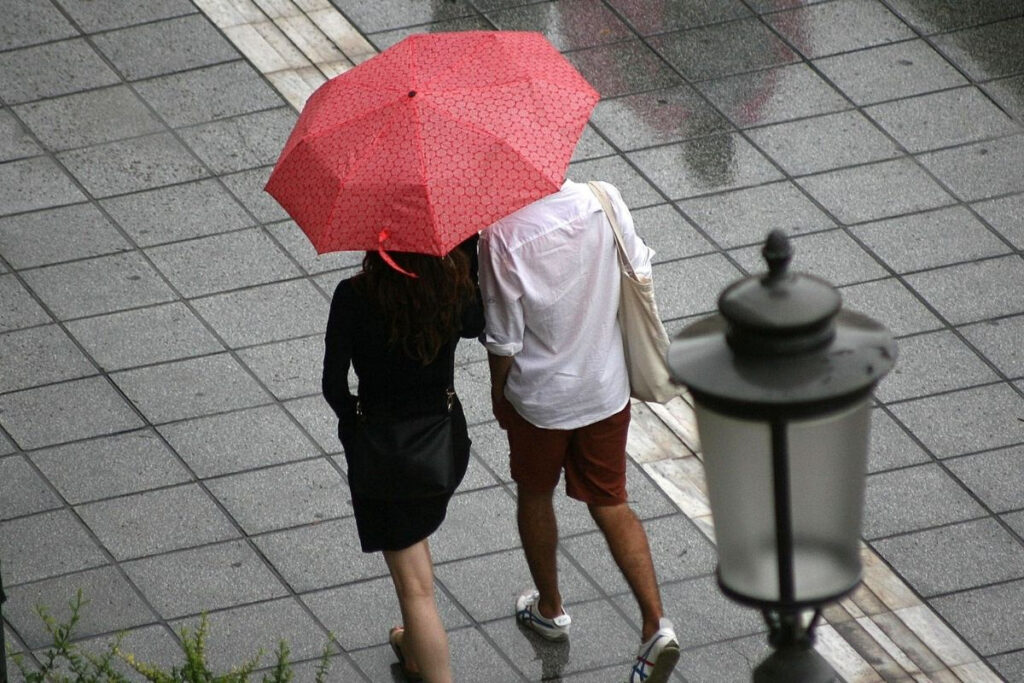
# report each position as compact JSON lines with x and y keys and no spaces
{"x":500,"y":367}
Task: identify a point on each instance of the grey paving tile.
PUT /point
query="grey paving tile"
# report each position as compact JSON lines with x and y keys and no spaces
{"x":284,"y":495}
{"x":889,"y":72}
{"x":723,"y":49}
{"x":6,"y":447}
{"x":665,"y":230}
{"x":636,"y":190}
{"x":154,"y":334}
{"x":360,"y":614}
{"x":933,"y":17}
{"x":208,"y":94}
{"x":668,"y":16}
{"x":705,"y":165}
{"x":88,"y":118}
{"x":964,"y":421}
{"x":773,"y":95}
{"x":110,"y":466}
{"x":385,"y":39}
{"x":247,"y":187}
{"x":692,"y":286}
{"x":622,"y":68}
{"x":914,"y":498}
{"x":980,"y":170}
{"x":45,"y":545}
{"x":52,"y":69}
{"x":177,"y":212}
{"x":931,"y":363}
{"x":993,"y":285}
{"x":99,"y":15}
{"x":318,"y":420}
{"x":17,"y":307}
{"x":1016,"y":522}
{"x":39,"y":355}
{"x":1009,"y":94}
{"x":288,"y":369}
{"x":189,"y":582}
{"x":830,"y":255}
{"x":645,"y":497}
{"x":600,"y":638}
{"x":874,"y":191}
{"x":98,"y":285}
{"x":891,"y":303}
{"x":724,"y":662}
{"x":113,"y":605}
{"x":956,"y":557}
{"x":132,"y":165}
{"x":930,"y":239}
{"x":891,"y":446}
{"x":238,"y":634}
{"x":15,"y":139}
{"x":1005,"y":215}
{"x":241,"y":142}
{"x":297,"y":245}
{"x":473,"y":658}
{"x":32,"y":184}
{"x":914,"y":123}
{"x":990,"y":619}
{"x":238,"y":441}
{"x":27,"y":22}
{"x":568,"y":24}
{"x":25,"y":492}
{"x":58,"y":413}
{"x":824,"y":142}
{"x":487,"y":586}
{"x":996,"y":477}
{"x":163,"y":47}
{"x":62,"y":234}
{"x":339,"y":668}
{"x":490,"y":445}
{"x":190,"y":388}
{"x":591,"y":145}
{"x":468,"y":513}
{"x":372,"y":17}
{"x":220,"y":262}
{"x":988,"y":51}
{"x":657,"y":117}
{"x":1011,"y":666}
{"x":700,"y":603}
{"x":747,"y":216}
{"x":998,"y":341}
{"x":320,"y":555}
{"x":283,"y":310}
{"x":841,"y":26}
{"x":154,"y":644}
{"x":157,"y":521}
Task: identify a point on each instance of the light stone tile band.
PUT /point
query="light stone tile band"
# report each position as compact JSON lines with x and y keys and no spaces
{"x":300,"y":44}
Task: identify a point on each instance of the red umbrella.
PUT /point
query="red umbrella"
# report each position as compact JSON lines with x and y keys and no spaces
{"x":431,"y":141}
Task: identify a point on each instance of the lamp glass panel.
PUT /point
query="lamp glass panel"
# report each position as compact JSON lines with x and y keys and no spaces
{"x":827,"y":461}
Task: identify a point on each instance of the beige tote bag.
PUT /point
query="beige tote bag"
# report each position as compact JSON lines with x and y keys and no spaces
{"x":643,"y":336}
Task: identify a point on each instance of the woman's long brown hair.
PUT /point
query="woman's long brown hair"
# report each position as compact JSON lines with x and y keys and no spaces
{"x":422,"y":313}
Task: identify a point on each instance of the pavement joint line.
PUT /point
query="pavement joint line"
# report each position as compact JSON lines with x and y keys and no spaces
{"x":284,"y":41}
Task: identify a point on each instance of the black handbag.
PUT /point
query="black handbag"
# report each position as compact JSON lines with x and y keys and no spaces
{"x":402,"y":457}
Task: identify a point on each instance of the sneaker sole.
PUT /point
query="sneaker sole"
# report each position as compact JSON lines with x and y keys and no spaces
{"x":664,"y":665}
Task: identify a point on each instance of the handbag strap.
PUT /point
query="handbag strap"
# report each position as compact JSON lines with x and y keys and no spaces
{"x":606,"y":204}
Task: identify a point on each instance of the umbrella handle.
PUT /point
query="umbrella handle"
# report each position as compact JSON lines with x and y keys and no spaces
{"x":381,"y":238}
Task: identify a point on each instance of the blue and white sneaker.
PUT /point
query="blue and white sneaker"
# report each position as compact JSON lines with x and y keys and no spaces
{"x":657,"y":656}
{"x":528,"y":615}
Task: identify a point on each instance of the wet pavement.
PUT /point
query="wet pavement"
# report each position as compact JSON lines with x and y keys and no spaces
{"x":163,"y":444}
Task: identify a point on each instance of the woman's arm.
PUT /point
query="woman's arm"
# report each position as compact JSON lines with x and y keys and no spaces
{"x":338,"y":352}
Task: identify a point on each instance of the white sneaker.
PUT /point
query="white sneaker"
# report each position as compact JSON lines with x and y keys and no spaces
{"x":657,"y":656}
{"x":528,"y":615}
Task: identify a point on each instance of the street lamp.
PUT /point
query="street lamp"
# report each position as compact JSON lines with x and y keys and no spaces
{"x":781,"y":380}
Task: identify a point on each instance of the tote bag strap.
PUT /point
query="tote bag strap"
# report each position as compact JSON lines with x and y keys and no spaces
{"x":606,"y":205}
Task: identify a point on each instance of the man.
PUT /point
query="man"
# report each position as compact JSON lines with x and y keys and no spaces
{"x":549,"y":277}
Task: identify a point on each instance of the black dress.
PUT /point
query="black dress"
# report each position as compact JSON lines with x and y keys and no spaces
{"x":356,"y":335}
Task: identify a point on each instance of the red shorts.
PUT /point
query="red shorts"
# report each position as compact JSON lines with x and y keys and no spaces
{"x":594,"y":458}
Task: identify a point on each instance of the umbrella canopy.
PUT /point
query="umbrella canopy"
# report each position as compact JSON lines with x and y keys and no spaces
{"x":431,"y":141}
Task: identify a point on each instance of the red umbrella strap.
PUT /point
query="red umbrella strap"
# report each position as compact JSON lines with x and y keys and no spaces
{"x":381,"y":238}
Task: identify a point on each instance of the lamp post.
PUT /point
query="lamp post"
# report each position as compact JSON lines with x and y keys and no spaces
{"x":781,"y":380}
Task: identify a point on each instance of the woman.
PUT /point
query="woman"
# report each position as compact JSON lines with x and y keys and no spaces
{"x":399,"y":334}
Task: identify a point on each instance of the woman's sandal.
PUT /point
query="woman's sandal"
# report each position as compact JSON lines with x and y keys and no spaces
{"x":396,"y":647}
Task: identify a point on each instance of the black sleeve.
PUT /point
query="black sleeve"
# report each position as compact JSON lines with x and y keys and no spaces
{"x":473,"y":312}
{"x":338,"y":352}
